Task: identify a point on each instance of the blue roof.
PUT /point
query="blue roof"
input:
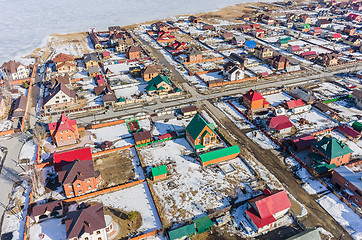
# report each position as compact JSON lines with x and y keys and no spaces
{"x":250,"y":44}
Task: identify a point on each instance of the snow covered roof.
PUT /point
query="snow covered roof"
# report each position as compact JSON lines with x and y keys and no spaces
{"x":352,"y":177}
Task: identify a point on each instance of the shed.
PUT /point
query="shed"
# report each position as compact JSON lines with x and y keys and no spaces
{"x":182,"y":232}
{"x":357,"y":126}
{"x":219,"y":155}
{"x":203,"y":224}
{"x":159,"y":172}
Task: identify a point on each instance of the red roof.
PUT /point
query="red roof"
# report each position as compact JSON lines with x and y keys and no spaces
{"x":346,"y":130}
{"x":295,"y":103}
{"x":303,"y":142}
{"x":296,"y":48}
{"x":64,"y":123}
{"x":100,"y":80}
{"x":268,"y":204}
{"x":256,"y":25}
{"x":317,"y":29}
{"x":280,"y":122}
{"x":62,"y":158}
{"x":253,"y":96}
{"x":167,"y":135}
{"x":309,"y":53}
{"x":106,"y":54}
{"x":337,"y":35}
{"x":259,"y":30}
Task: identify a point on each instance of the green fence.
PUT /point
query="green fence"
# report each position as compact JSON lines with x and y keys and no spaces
{"x":337,"y":98}
{"x":161,"y":140}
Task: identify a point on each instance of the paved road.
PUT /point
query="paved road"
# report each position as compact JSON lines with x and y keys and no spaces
{"x":317,"y":216}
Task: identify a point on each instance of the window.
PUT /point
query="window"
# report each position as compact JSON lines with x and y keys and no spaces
{"x":69,"y":185}
{"x":78,"y":185}
{"x":99,"y":238}
{"x":63,"y":96}
{"x":98,"y":232}
{"x":69,"y":136}
{"x":80,"y":191}
{"x":88,"y":180}
{"x":89,"y":187}
{"x":57,"y":97}
{"x":356,"y":199}
{"x":346,"y":184}
{"x":86,"y":238}
{"x":65,"y":100}
{"x":61,"y":138}
{"x":66,"y":131}
{"x":56,"y":101}
{"x":70,"y":192}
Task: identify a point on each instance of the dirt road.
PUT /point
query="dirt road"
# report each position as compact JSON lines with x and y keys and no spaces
{"x":317,"y":216}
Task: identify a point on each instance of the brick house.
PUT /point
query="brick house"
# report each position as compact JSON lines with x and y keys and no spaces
{"x":219,"y":155}
{"x":331,"y":151}
{"x":134,"y":52}
{"x":200,"y":134}
{"x":264,"y":210}
{"x":64,"y":131}
{"x":194,"y":55}
{"x":263,"y":52}
{"x":328,"y":59}
{"x":280,"y":62}
{"x":64,"y":63}
{"x":78,"y":178}
{"x":13,"y":70}
{"x":47,"y":210}
{"x":349,"y":183}
{"x":94,"y":71}
{"x":59,"y":97}
{"x":254,"y":100}
{"x":124,"y":44}
{"x":90,"y":60}
{"x":150,"y":72}
{"x":349,"y":30}
{"x":86,"y":224}
{"x":258,"y":33}
{"x":64,"y":157}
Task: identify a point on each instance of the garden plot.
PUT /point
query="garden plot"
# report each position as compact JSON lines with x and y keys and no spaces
{"x":131,"y":92}
{"x":264,"y":68}
{"x":315,"y":121}
{"x":261,"y":139}
{"x":346,"y":110}
{"x":345,"y":216}
{"x":240,"y":121}
{"x":211,"y":76}
{"x":137,"y":198}
{"x":356,"y":147}
{"x":53,"y":229}
{"x":145,"y":124}
{"x":217,"y":44}
{"x":234,"y":50}
{"x":320,"y":42}
{"x":192,"y":190}
{"x":111,"y":133}
{"x":162,"y":127}
{"x":121,"y":67}
{"x":300,"y":43}
{"x":277,"y":98}
{"x":330,"y":90}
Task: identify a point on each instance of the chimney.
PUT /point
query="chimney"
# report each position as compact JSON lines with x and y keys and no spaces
{"x":267,"y":192}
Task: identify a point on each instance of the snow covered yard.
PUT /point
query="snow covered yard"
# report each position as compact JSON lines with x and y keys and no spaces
{"x":5,"y":125}
{"x":277,"y":98}
{"x":28,"y":151}
{"x":53,"y":229}
{"x":240,"y":121}
{"x":330,"y":90}
{"x":110,"y":133}
{"x":191,"y":190}
{"x":137,"y":198}
{"x":162,"y":127}
{"x":342,"y":214}
{"x":211,"y":76}
{"x":261,"y":139}
{"x":315,"y":121}
{"x":346,"y":110}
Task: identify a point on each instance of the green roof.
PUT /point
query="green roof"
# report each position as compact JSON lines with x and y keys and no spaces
{"x":199,"y":146}
{"x":177,"y":89}
{"x":154,"y":82}
{"x":323,"y":167}
{"x":357,"y":126}
{"x":185,"y":231}
{"x":311,"y":234}
{"x":332,"y":147}
{"x":157,"y":171}
{"x":306,"y":25}
{"x":283,"y":41}
{"x":219,"y":153}
{"x":203,"y":224}
{"x":196,"y":125}
{"x":122,"y":99}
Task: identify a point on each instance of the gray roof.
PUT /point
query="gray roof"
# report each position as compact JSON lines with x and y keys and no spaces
{"x":90,"y":56}
{"x":357,"y":93}
{"x":19,"y":107}
{"x":354,"y":178}
{"x":93,"y":69}
{"x":239,"y":38}
{"x":311,"y":234}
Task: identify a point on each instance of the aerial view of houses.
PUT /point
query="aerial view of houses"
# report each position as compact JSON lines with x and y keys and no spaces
{"x":241,"y":123}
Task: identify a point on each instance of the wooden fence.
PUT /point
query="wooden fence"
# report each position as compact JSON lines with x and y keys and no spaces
{"x":112,"y":150}
{"x":3,"y":133}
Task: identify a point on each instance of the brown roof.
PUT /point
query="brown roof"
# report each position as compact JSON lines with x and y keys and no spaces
{"x":85,"y":220}
{"x":62,"y":57}
{"x":60,"y":79}
{"x":76,"y":170}
{"x":141,"y":136}
{"x":135,"y":49}
{"x":19,"y":106}
{"x":357,"y":93}
{"x":98,"y":90}
{"x":109,"y":97}
{"x":59,"y":87}
{"x":50,"y":206}
{"x":114,"y":28}
{"x":11,"y":66}
{"x":189,"y":109}
{"x":150,"y":69}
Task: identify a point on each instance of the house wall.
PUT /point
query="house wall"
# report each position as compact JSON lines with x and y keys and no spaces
{"x":133,"y":55}
{"x":66,"y":137}
{"x":258,"y":230}
{"x":91,"y":63}
{"x":253,"y":105}
{"x":301,"y":109}
{"x":59,"y":99}
{"x":99,"y":234}
{"x":79,"y":187}
{"x":159,"y":177}
{"x":344,"y":184}
{"x":280,"y":214}
{"x":225,"y":158}
{"x":358,"y":102}
{"x":341,"y":160}
{"x":148,"y":77}
{"x":285,"y":130}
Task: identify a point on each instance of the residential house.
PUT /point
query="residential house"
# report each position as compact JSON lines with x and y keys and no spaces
{"x":200,"y":134}
{"x":159,"y":85}
{"x":246,"y":28}
{"x":158,"y":172}
{"x":94,"y":71}
{"x":64,"y":157}
{"x":349,"y":30}
{"x":263,"y":52}
{"x":124,"y":44}
{"x":60,"y":79}
{"x":297,"y":106}
{"x":326,"y":110}
{"x":357,"y":97}
{"x":78,"y":178}
{"x":59,"y":97}
{"x":305,"y":95}
{"x":90,"y":60}
{"x":280,"y":124}
{"x":183,"y":232}
{"x":238,"y":40}
{"x":265,"y":209}
{"x":115,"y":38}
{"x":178,"y":46}
{"x":258,"y":33}
{"x":109,"y":98}
{"x":323,"y":23}
{"x":94,"y":39}
{"x":106,"y":54}
{"x":256,"y":26}
{"x":349,"y":183}
{"x":13,"y":70}
{"x":194,"y":55}
{"x":142,"y":137}
{"x":267,"y":20}
{"x":100,"y":80}
{"x":64,"y":63}
{"x":189,"y":111}
{"x":330,"y":150}
{"x":19,"y":107}
{"x":114,"y":29}
{"x":305,"y":18}
{"x":150,"y":72}
{"x":160,"y":26}
{"x":86,"y":224}
{"x":354,"y":17}
{"x":309,"y":55}
{"x":208,"y":27}
{"x":280,"y":62}
{"x":64,"y":131}
{"x":329,"y":59}
{"x":134,"y":52}
{"x":255,"y":101}
{"x":353,"y":41}
{"x":194,"y":19}
{"x":305,"y":27}
{"x":203,"y":224}
{"x":233,"y":71}
{"x":219,"y":155}
{"x":295,"y":49}
{"x":284,"y":41}
{"x":315,"y":31}
{"x":303,"y":142}
{"x":250,"y":45}
{"x":48,"y":210}
{"x":335,"y":36}
{"x":228,"y":36}
{"x":349,"y":132}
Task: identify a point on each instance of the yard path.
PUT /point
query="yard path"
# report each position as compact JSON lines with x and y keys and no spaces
{"x":317,"y":216}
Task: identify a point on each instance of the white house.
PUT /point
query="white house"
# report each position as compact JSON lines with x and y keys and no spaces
{"x":13,"y":70}
{"x":233,"y":71}
{"x":297,"y":106}
{"x":61,"y":96}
